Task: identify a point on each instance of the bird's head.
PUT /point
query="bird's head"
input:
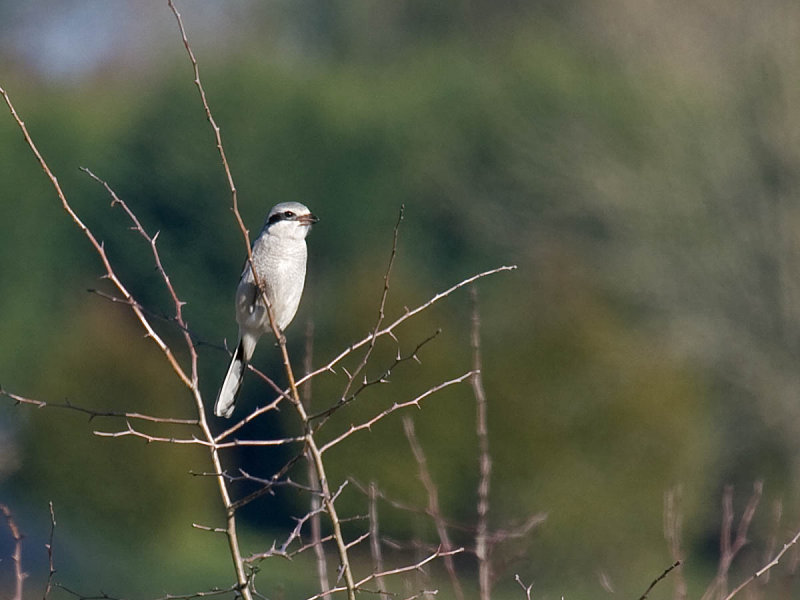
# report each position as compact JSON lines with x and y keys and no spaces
{"x":290,"y":219}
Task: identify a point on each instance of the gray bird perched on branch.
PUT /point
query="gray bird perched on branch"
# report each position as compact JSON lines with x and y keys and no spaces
{"x":279,"y":259}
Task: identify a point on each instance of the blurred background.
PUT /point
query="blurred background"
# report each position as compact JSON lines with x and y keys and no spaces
{"x":637,"y":160}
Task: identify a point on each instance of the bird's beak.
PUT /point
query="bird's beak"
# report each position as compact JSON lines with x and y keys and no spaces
{"x":308,"y":219}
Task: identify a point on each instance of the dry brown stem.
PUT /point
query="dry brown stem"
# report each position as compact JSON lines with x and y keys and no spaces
{"x":434,"y":510}
{"x":482,"y":548}
{"x":730,"y":545}
{"x":16,"y":556}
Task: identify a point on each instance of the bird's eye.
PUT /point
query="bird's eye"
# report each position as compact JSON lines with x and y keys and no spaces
{"x":288,"y":214}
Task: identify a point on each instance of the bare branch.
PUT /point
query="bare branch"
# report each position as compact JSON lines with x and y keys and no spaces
{"x":388,"y":330}
{"x":765,"y":569}
{"x":232,"y":535}
{"x":673,"y":530}
{"x":375,"y":542}
{"x":16,"y":557}
{"x":382,"y":306}
{"x":399,"y":570}
{"x":96,"y":413}
{"x":151,"y":241}
{"x":729,"y":545}
{"x":527,"y":588}
{"x":485,"y":459}
{"x":433,"y":503}
{"x":393,"y":408}
{"x":132,"y":432}
{"x":103,"y":596}
{"x":666,"y":572}
{"x":367,"y":383}
{"x":99,"y":249}
{"x":50,"y":561}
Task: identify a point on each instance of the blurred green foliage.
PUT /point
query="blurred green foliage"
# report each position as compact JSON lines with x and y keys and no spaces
{"x":646,"y":340}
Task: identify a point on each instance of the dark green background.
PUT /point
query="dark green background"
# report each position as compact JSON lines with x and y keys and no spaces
{"x":637,"y":162}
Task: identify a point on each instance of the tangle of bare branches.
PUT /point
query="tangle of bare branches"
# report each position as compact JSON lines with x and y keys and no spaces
{"x":323,"y":494}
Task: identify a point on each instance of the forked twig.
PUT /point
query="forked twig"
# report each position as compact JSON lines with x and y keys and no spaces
{"x":765,"y":569}
{"x":730,"y":545}
{"x":527,"y":588}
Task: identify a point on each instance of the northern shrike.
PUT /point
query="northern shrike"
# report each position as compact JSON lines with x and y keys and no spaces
{"x":279,"y":258}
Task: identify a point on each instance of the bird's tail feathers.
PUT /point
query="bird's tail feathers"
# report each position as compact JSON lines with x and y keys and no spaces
{"x":226,"y":399}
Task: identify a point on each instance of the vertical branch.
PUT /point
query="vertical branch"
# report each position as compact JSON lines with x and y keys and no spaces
{"x":311,"y":444}
{"x":16,"y":557}
{"x":217,"y":131}
{"x":231,"y":530}
{"x":673,"y":533}
{"x":381,"y":308}
{"x":49,"y":547}
{"x":485,"y":460}
{"x":433,"y":503}
{"x":327,"y":497}
{"x":313,"y":478}
{"x":374,"y":538}
{"x":730,"y":545}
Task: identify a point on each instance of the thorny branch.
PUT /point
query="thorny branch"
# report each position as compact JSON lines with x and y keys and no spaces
{"x":49,"y":547}
{"x":381,"y":309}
{"x":389,"y":329}
{"x":215,"y":444}
{"x":190,"y":381}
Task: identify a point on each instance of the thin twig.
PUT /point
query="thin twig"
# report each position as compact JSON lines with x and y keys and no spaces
{"x":381,"y":308}
{"x":217,"y":132}
{"x":375,"y":542}
{"x":93,"y":414}
{"x":377,"y":380}
{"x":433,"y":502}
{"x":666,"y":572}
{"x":103,"y":596}
{"x":388,"y":330}
{"x":527,"y":588}
{"x":313,"y":478}
{"x":393,"y":408}
{"x":398,"y":571}
{"x":50,"y":560}
{"x":403,"y":505}
{"x":765,"y":569}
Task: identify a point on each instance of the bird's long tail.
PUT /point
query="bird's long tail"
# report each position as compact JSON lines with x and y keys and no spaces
{"x":233,"y":382}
